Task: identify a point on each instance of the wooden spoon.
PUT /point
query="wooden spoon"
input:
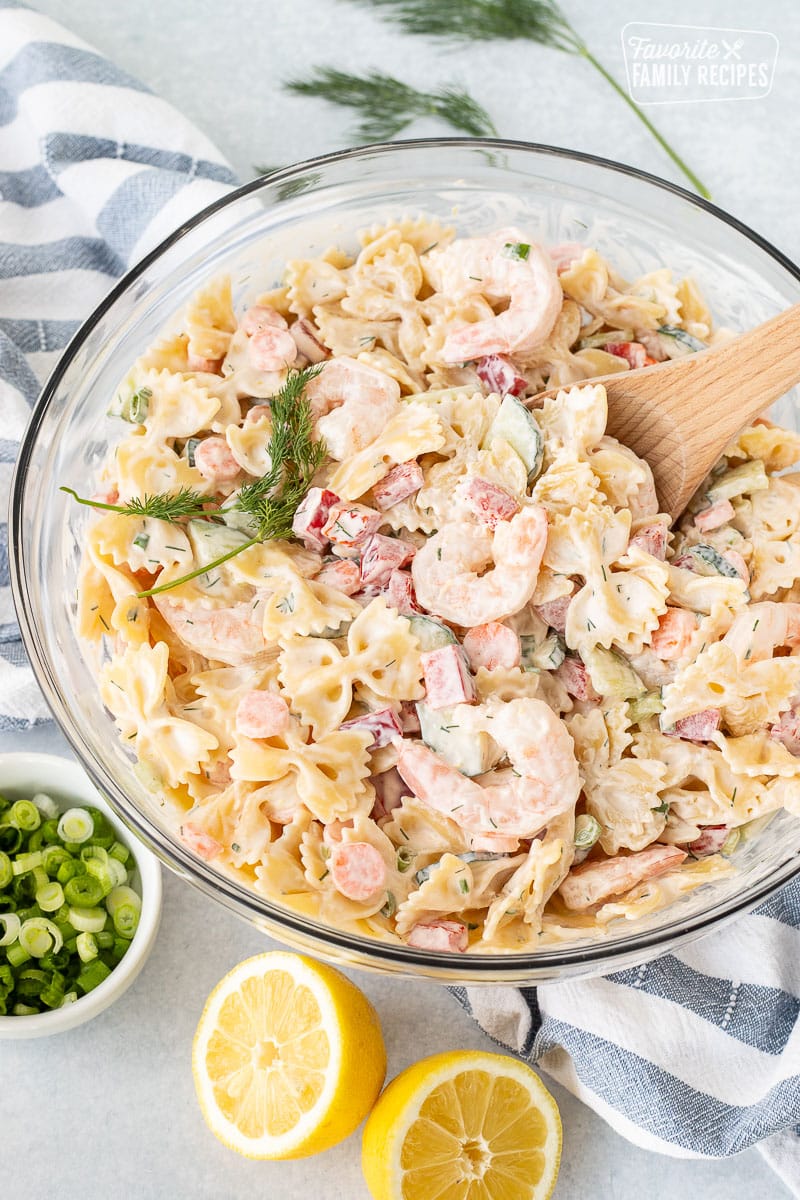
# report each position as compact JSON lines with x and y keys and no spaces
{"x":681,"y":414}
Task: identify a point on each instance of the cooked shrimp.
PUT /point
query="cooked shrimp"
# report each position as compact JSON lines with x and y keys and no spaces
{"x":517,"y":801}
{"x":262,"y":714}
{"x":761,"y":628}
{"x":592,"y":882}
{"x":351,"y":403}
{"x":501,"y":267}
{"x":450,"y":571}
{"x":231,"y":635}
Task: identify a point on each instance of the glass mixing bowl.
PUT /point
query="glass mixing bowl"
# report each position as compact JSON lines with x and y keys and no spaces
{"x":635,"y":220}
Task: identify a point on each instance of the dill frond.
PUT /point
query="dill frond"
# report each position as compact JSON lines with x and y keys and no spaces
{"x":539,"y":21}
{"x":387,"y":104}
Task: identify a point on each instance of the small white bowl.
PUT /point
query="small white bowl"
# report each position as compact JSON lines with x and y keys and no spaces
{"x":21,"y":776}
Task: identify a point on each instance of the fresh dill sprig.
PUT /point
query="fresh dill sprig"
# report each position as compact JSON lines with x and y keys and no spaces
{"x":387,"y":104}
{"x":272,"y":500}
{"x":539,"y":21}
{"x":164,"y":506}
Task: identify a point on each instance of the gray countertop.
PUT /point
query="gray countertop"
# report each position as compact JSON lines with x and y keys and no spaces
{"x":108,"y":1110}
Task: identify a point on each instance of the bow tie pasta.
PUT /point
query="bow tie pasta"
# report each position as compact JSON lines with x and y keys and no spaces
{"x":419,"y":658}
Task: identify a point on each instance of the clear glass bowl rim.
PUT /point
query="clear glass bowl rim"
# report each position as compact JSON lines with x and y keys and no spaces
{"x":599,"y":957}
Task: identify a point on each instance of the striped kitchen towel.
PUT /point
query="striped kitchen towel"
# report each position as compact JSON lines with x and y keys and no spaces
{"x":695,"y":1054}
{"x":94,"y":171}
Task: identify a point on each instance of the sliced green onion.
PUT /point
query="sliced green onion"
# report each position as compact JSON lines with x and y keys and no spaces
{"x":39,"y":936}
{"x":118,"y":872}
{"x":10,"y":838}
{"x":69,"y":998}
{"x":35,"y":840}
{"x":50,"y":831}
{"x":53,"y":857}
{"x":30,"y":983}
{"x":11,"y":926}
{"x":24,"y":815}
{"x":104,"y":939}
{"x":50,"y":896}
{"x":390,"y":907}
{"x":404,"y":859}
{"x":17,"y":955}
{"x":40,"y":879}
{"x":46,"y":805}
{"x":27,"y":862}
{"x":23,"y":1010}
{"x":126,"y":919}
{"x":6,"y":870}
{"x":53,"y":994}
{"x":120,"y":948}
{"x":587,"y":831}
{"x":98,"y":853}
{"x":75,"y":825}
{"x":122,"y":895}
{"x":102,"y":876}
{"x":69,"y":869}
{"x":119,"y":852}
{"x":92,"y":974}
{"x":86,"y":945}
{"x":87,"y":920}
{"x":84,"y":891}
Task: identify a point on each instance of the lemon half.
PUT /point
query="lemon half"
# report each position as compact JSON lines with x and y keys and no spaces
{"x":288,"y":1057}
{"x":463,"y":1126}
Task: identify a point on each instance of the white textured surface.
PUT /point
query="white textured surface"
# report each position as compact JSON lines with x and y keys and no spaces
{"x":108,"y":1110}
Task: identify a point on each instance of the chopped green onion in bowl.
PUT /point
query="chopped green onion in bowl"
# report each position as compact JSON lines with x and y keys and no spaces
{"x":68,"y":912}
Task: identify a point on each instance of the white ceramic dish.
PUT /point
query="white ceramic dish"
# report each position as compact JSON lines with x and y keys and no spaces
{"x":21,"y":776}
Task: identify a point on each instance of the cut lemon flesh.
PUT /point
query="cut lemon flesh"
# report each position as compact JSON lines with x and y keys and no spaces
{"x":463,"y":1126}
{"x":288,"y":1057}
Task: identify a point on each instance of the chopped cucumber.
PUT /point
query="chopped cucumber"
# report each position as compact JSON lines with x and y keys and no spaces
{"x":517,"y":426}
{"x":749,"y":477}
{"x":677,"y":342}
{"x":431,"y":634}
{"x":612,"y":675}
{"x":542,"y":656}
{"x":596,"y":341}
{"x":131,"y":403}
{"x":468,"y":750}
{"x":648,"y":705}
{"x":587,"y":831}
{"x":190,"y":448}
{"x":709,"y":561}
{"x":210,"y":541}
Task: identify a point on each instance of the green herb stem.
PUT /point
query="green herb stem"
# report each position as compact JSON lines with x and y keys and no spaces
{"x":204,"y":570}
{"x":682,"y":166}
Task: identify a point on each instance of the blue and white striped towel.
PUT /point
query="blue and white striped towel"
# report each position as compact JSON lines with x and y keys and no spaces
{"x":697,"y":1053}
{"x":94,"y":171}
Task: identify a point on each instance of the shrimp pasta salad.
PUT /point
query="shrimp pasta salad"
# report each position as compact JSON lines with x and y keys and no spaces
{"x":413,"y":656}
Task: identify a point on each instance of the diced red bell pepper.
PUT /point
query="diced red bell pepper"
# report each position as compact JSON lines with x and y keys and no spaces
{"x":400,"y":483}
{"x":714,"y":516}
{"x":711,"y":841}
{"x":383,"y":725}
{"x":698,"y":727}
{"x":554,"y":612}
{"x":488,"y":502}
{"x":390,"y":788}
{"x":634,"y":353}
{"x":401,"y":593}
{"x":500,"y":375}
{"x":382,"y":555}
{"x":351,"y":524}
{"x":447,"y":680}
{"x":576,"y":679}
{"x":787,"y":731}
{"x":309,"y":520}
{"x":344,"y":575}
{"x":652,"y":539}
